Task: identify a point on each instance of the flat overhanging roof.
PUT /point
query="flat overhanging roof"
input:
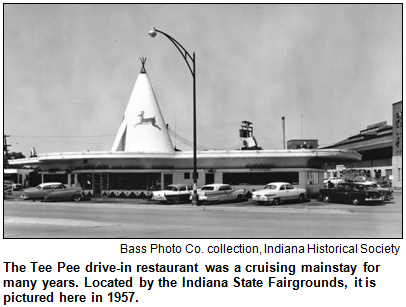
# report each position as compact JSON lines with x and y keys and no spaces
{"x":328,"y":154}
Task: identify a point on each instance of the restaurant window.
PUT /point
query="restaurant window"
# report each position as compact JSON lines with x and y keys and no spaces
{"x":312,"y":178}
{"x":62,"y":178}
{"x":85,"y":181}
{"x":260,"y":178}
{"x":135,"y":181}
{"x":105,"y":184}
{"x":209,"y":178}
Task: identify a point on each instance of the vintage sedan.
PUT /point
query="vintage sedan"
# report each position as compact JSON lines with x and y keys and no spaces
{"x":52,"y":191}
{"x":173,"y":193}
{"x":387,"y":193}
{"x":351,"y":192}
{"x":219,"y":192}
{"x":277,"y":192}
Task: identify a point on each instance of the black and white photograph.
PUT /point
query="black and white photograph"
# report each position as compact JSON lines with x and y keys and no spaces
{"x":202,"y":154}
{"x":203,"y":121}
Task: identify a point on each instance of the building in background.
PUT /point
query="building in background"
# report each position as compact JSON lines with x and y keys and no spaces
{"x":303,"y":144}
{"x":380,"y":145}
{"x":397,"y":148}
{"x":18,"y":175}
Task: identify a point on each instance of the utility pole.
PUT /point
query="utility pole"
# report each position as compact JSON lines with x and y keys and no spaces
{"x":283,"y":132}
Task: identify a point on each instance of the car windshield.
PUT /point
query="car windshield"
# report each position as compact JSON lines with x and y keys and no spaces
{"x":270,"y":187}
{"x":171,"y":188}
{"x":48,"y":187}
{"x":208,"y":188}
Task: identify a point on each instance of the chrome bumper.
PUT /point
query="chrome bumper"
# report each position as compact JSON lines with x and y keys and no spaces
{"x":158,"y":197}
{"x":374,"y":199}
{"x":263,"y":198}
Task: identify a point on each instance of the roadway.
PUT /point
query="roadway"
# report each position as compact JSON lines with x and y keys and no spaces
{"x":116,"y":218}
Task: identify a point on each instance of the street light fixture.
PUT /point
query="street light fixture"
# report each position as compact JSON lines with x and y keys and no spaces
{"x":192,"y":67}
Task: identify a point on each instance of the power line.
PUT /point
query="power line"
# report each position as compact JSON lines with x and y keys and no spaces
{"x":190,"y":144}
{"x":212,"y":126}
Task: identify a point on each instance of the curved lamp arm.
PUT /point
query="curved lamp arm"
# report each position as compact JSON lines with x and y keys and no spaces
{"x":186,"y":56}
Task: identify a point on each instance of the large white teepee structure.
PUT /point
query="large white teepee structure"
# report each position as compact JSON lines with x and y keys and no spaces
{"x":143,"y":127}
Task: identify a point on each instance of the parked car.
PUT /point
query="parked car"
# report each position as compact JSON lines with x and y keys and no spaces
{"x":387,"y":193}
{"x":218,"y":192}
{"x":7,"y":188}
{"x":17,"y":186}
{"x":351,"y":192}
{"x":52,"y":191}
{"x":277,"y":192}
{"x":173,"y":193}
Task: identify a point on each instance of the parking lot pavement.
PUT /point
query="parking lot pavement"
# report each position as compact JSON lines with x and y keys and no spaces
{"x":119,"y":218}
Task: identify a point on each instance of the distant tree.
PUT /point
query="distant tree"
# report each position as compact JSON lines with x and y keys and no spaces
{"x":15,"y":155}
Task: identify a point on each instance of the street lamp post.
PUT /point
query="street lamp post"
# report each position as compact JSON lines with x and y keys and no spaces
{"x":187,"y":57}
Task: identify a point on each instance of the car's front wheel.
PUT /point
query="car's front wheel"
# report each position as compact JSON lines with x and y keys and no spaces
{"x":276,"y":201}
{"x":175,"y":201}
{"x":239,"y":198}
{"x":301,"y":198}
{"x":37,"y":199}
{"x":355,"y":201}
{"x":77,"y":197}
{"x":326,"y":198}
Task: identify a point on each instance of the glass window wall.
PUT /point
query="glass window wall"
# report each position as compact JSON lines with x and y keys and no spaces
{"x":135,"y":181}
{"x":257,"y":178}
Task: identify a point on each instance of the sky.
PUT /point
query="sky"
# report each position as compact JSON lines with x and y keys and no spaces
{"x":330,"y":69}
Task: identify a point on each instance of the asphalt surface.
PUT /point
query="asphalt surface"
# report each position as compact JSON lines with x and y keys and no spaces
{"x":134,"y":218}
